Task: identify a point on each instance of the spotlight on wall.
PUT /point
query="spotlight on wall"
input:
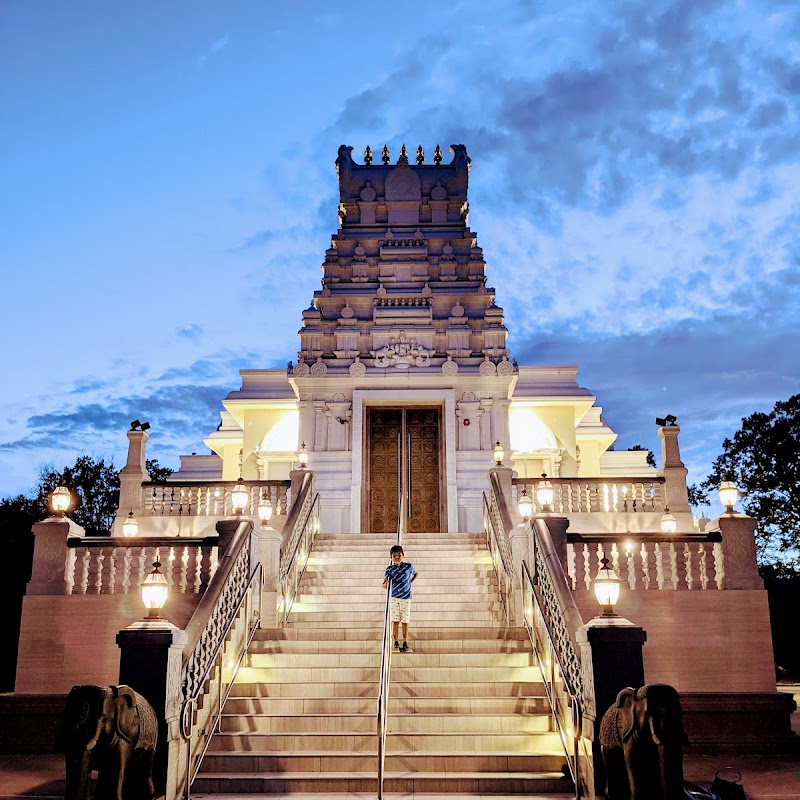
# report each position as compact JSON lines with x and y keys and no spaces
{"x":135,"y":425}
{"x":145,"y":426}
{"x":342,"y":420}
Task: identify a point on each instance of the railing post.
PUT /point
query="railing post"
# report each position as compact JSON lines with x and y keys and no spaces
{"x":131,"y":477}
{"x":558,"y":534}
{"x":676,"y":495}
{"x":611,"y":659}
{"x":50,"y":553}
{"x":267,"y":548}
{"x":296,"y":477}
{"x":738,"y":551}
{"x":150,"y":660}
{"x":226,"y":528}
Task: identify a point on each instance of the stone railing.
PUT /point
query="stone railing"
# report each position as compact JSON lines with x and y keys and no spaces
{"x":597,"y":495}
{"x":188,"y":499}
{"x":106,"y":565}
{"x":647,"y":564}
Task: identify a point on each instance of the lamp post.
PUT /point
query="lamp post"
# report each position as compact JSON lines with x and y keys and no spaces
{"x":498,"y":453}
{"x":155,"y":592}
{"x":130,"y":527}
{"x":239,"y":497}
{"x":302,"y":456}
{"x":544,"y":494}
{"x":606,"y":588}
{"x":728,"y":495}
{"x":60,"y":501}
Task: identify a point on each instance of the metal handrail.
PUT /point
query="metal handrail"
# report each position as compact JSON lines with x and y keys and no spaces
{"x":383,"y":691}
{"x":501,"y":569}
{"x":189,"y":707}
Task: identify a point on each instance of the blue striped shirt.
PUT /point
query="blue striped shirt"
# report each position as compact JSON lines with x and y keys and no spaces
{"x":400,"y":576}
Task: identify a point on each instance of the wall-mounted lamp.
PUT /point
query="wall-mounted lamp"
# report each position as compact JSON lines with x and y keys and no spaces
{"x":264,"y":512}
{"x":239,"y":497}
{"x":668,"y":522}
{"x":130,"y":527}
{"x":525,"y":505}
{"x":302,"y":456}
{"x":545,"y":494}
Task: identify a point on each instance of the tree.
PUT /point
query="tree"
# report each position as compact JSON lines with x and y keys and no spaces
{"x":651,"y":459}
{"x":763,"y":460}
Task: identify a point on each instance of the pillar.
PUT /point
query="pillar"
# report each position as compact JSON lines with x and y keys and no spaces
{"x":133,"y":474}
{"x":738,"y":552}
{"x":50,"y":551}
{"x":676,"y":495}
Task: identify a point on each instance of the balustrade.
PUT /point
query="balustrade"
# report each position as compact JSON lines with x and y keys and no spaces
{"x":648,"y":565}
{"x":183,"y":499}
{"x":118,"y":566}
{"x":597,"y":495}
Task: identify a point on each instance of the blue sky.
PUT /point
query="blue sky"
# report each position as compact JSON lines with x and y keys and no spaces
{"x":168,"y":192}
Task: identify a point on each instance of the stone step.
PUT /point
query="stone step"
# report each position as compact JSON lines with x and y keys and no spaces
{"x":416,"y":742}
{"x":418,"y":624}
{"x":332,"y":633}
{"x":490,"y":785}
{"x":373,"y":646}
{"x":405,"y":672}
{"x":397,"y":705}
{"x":462,"y":724}
{"x":436,"y":604}
{"x":445,"y":584}
{"x":367,"y":618}
{"x":418,"y":658}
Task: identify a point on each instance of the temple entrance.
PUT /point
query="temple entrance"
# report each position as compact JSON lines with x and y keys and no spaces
{"x":404,"y":459}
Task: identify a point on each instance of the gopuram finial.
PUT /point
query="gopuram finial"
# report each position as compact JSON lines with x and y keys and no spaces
{"x":385,"y":155}
{"x":367,"y":155}
{"x":403,"y":159}
{"x":437,"y":155}
{"x":420,"y":155}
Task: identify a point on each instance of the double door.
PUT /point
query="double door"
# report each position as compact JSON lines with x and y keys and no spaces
{"x":403,"y":462}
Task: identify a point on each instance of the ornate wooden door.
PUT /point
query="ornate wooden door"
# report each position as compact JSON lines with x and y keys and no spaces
{"x":403,"y":458}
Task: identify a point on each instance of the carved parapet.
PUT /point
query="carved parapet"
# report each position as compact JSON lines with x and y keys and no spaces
{"x":739,"y":552}
{"x":50,"y":555}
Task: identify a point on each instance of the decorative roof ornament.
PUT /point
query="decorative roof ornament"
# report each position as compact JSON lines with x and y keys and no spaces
{"x":437,"y":155}
{"x":385,"y":155}
{"x":367,"y":155}
{"x":420,"y":155}
{"x":403,"y":157}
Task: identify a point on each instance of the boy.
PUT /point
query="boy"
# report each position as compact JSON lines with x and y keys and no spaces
{"x":401,"y":573}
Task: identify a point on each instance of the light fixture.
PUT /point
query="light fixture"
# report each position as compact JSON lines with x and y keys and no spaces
{"x":239,"y":497}
{"x":155,"y":592}
{"x":60,"y":500}
{"x":728,"y":495}
{"x":525,"y":505}
{"x":302,"y":456}
{"x":544,"y":494}
{"x":498,"y":453}
{"x":606,"y":588}
{"x":669,"y":421}
{"x":668,"y":522}
{"x":130,"y":527}
{"x":264,"y":512}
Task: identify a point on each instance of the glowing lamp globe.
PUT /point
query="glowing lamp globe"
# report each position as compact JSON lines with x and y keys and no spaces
{"x":498,"y":453}
{"x":302,"y":456}
{"x":239,"y":497}
{"x":155,"y":592}
{"x":728,"y":495}
{"x":264,"y":511}
{"x":606,"y":588}
{"x":525,"y":505}
{"x":544,"y":493}
{"x":130,"y":527}
{"x":668,"y":522}
{"x":60,"y":500}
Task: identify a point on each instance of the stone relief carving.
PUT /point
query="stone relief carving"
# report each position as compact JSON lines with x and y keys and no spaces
{"x":487,"y":368}
{"x":401,"y":353}
{"x":449,"y":367}
{"x":357,"y":369}
{"x":319,"y":369}
{"x":301,"y":369}
{"x":368,"y":194}
{"x":505,"y":367}
{"x":402,"y":183}
{"x":438,"y":192}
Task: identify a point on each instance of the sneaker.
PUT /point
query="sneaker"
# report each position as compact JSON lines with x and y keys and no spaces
{"x":405,"y":648}
{"x":397,"y":646}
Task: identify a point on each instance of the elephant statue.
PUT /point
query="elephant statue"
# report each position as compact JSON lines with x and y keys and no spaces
{"x":111,"y":729}
{"x":641,"y":741}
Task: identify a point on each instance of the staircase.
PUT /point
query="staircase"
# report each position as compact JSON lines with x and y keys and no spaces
{"x":467,"y":709}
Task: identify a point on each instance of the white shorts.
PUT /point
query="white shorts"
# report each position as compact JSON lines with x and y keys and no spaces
{"x":400,"y":609}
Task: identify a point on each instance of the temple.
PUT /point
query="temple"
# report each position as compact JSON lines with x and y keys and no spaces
{"x":404,"y":418}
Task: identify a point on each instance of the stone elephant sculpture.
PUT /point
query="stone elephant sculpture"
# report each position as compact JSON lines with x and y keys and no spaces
{"x":641,"y":741}
{"x":112,"y":729}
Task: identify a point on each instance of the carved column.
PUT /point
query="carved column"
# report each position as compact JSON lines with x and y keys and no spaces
{"x":676,"y":494}
{"x":50,"y":554}
{"x":320,"y":426}
{"x":486,"y":424}
{"x":133,"y":474}
{"x":306,"y":435}
{"x":739,"y":552}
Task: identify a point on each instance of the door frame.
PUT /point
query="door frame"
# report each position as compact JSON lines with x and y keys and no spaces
{"x":391,"y":398}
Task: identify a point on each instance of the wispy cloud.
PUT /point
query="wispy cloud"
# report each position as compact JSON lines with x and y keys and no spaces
{"x":212,"y":50}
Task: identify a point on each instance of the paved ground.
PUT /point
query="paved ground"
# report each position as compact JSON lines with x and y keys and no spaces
{"x":763,"y":777}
